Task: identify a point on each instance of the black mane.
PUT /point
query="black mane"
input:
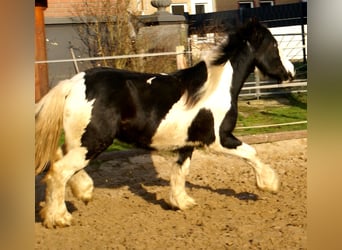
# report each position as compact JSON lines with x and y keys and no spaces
{"x":252,"y":32}
{"x":193,"y":79}
{"x":228,"y":49}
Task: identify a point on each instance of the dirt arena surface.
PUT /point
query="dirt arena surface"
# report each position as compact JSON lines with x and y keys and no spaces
{"x":129,"y":208}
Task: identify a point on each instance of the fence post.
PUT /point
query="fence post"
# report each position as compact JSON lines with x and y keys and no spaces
{"x":190,"y":51}
{"x":303,"y":31}
{"x":257,"y":82}
{"x":74,"y":58}
{"x":241,"y":14}
{"x":180,"y":57}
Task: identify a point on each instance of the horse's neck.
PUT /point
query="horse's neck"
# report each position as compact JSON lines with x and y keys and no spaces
{"x":218,"y":82}
{"x":230,"y":76}
{"x":243,"y":64}
{"x":220,"y":75}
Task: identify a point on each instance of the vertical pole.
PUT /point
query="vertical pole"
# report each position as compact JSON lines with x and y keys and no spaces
{"x":190,"y":51}
{"x":74,"y":58}
{"x":41,"y":70}
{"x":257,"y":82}
{"x":303,"y":32}
{"x":241,"y":15}
{"x":180,"y":57}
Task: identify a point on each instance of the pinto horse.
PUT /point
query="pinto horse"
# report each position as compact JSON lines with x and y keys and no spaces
{"x":189,"y":108}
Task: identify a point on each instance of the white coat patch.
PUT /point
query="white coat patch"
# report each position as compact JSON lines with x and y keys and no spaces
{"x":77,"y":113}
{"x":173,"y":130}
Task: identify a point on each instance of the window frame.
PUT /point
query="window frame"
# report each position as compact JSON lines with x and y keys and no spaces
{"x":208,"y":5}
{"x":271,"y":2}
{"x":185,"y":6}
{"x":251,"y":3}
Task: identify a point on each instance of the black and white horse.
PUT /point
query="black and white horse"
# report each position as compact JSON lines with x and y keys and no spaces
{"x":182,"y":110}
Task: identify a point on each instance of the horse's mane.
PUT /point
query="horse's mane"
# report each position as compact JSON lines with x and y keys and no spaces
{"x":226,"y":50}
{"x":192,"y":80}
{"x":252,"y":32}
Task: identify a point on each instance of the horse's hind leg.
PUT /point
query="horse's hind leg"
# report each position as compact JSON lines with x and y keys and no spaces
{"x":82,"y":186}
{"x":81,"y":183}
{"x":178,"y":196}
{"x":55,"y":213}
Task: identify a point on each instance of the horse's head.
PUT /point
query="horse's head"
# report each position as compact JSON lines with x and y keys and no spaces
{"x":268,"y":58}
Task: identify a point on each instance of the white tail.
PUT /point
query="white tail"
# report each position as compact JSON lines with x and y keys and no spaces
{"x":49,"y":121}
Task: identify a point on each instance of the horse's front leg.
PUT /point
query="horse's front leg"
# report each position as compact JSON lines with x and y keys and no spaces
{"x":178,"y":196}
{"x":266,"y":177}
{"x":55,"y":213}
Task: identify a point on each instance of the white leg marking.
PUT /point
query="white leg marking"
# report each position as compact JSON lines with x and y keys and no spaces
{"x":82,"y":186}
{"x":55,"y":213}
{"x":178,"y":196}
{"x":266,"y":177}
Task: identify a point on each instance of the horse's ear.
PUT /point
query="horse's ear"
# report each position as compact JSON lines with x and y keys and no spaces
{"x":250,"y":28}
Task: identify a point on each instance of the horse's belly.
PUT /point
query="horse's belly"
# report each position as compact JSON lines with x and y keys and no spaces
{"x":171,"y":133}
{"x":173,"y":130}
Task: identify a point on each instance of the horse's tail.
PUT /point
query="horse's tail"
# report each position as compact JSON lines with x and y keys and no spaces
{"x":49,"y":121}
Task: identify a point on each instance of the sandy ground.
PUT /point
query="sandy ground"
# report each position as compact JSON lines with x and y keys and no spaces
{"x":129,"y":209}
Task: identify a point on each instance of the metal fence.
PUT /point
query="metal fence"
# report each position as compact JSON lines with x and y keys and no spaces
{"x":278,"y":17}
{"x":272,"y":16}
{"x":252,"y":88}
{"x":288,"y":24}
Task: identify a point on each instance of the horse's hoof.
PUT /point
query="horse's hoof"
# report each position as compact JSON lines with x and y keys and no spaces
{"x":268,"y":180}
{"x":56,"y":220}
{"x":182,"y":201}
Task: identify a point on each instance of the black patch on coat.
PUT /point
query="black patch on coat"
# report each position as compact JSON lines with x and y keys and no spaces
{"x":227,"y":126}
{"x":202,"y":128}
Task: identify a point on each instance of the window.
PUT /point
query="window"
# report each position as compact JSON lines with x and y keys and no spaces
{"x":178,"y":9}
{"x":246,"y":4}
{"x":266,"y":3}
{"x":200,"y":8}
